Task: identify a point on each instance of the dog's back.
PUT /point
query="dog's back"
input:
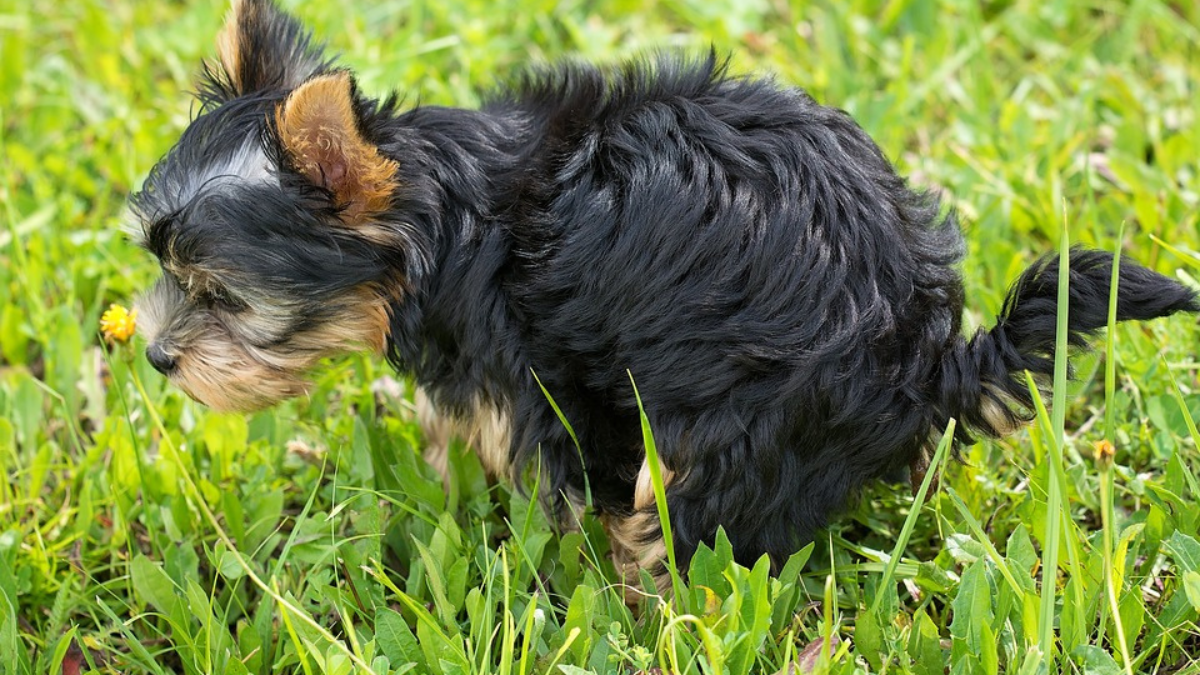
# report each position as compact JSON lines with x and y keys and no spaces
{"x":776,"y":291}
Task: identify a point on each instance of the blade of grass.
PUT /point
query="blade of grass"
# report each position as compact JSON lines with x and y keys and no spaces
{"x":1186,"y":256}
{"x":531,"y":610}
{"x":1104,"y":456}
{"x":137,"y":651}
{"x":1188,"y":476}
{"x":1110,"y":342}
{"x":587,"y":486}
{"x":297,"y":643}
{"x":1053,"y":534}
{"x":911,"y":521}
{"x":660,"y":492}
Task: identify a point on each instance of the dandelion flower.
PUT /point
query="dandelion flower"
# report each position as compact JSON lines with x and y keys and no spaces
{"x":118,"y":323}
{"x":1104,"y":453}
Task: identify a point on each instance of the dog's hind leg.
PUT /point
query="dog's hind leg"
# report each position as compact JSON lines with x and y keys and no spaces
{"x":636,"y":539}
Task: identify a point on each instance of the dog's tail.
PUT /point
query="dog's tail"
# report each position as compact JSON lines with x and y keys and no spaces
{"x":982,"y":381}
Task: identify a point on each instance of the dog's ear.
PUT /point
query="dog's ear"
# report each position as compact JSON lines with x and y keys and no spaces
{"x":318,"y":127}
{"x":261,"y":47}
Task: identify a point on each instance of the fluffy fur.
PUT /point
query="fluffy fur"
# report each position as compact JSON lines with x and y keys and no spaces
{"x":789,"y":308}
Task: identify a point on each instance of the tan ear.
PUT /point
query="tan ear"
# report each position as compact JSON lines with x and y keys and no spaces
{"x":262,"y":47}
{"x":318,"y":129}
{"x":229,"y":43}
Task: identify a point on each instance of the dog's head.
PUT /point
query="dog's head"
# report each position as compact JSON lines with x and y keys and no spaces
{"x":267,"y":218}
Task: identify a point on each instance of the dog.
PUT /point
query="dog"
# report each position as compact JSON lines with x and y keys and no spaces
{"x":788,"y":307}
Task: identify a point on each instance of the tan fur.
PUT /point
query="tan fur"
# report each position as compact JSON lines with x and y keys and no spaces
{"x":224,"y":379}
{"x":632,"y":552}
{"x":439,"y":431}
{"x":643,"y":490}
{"x":318,"y":128}
{"x":226,"y":373}
{"x":487,"y":431}
{"x":364,"y":323}
{"x":635,"y":540}
{"x":229,"y":42}
{"x":216,"y":370}
{"x":994,"y":405}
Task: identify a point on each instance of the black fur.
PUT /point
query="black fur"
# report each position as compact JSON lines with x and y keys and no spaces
{"x":789,"y":308}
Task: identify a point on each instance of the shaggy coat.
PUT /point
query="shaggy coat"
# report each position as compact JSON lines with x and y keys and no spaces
{"x":788,"y":307}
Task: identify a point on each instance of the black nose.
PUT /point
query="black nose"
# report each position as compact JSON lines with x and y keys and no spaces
{"x":162,"y":361}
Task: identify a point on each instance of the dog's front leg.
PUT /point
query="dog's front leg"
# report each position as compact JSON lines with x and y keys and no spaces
{"x":485,"y":428}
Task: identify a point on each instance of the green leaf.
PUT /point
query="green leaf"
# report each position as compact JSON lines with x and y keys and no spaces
{"x":1133,"y":614}
{"x":1095,"y":661}
{"x":964,"y":549}
{"x":795,"y":563}
{"x":787,"y":597}
{"x":988,"y":657}
{"x":437,"y":585}
{"x":1191,"y":586}
{"x":436,"y":645}
{"x":59,"y":652}
{"x":580,"y":613}
{"x":152,"y":585}
{"x":1033,"y":664}
{"x":396,"y":639}
{"x":868,"y":638}
{"x":360,"y":460}
{"x":709,"y":564}
{"x":8,"y":440}
{"x":234,"y":666}
{"x":755,"y":618}
{"x":973,"y":608}
{"x":570,"y":552}
{"x":456,"y":582}
{"x":1185,"y":550}
{"x":654,"y":463}
{"x":924,"y":644}
{"x":932,"y":577}
{"x":265,"y":510}
{"x":250,"y":645}
{"x":198,"y":603}
{"x":228,"y":565}
{"x":27,"y":405}
{"x":1021,"y":553}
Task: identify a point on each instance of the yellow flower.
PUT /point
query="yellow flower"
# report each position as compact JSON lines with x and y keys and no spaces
{"x":118,"y":323}
{"x":1104,"y":453}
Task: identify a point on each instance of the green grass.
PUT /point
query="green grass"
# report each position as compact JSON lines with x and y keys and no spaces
{"x":311,"y":539}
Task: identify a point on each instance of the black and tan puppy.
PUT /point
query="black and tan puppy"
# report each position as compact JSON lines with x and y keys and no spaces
{"x":789,"y":308}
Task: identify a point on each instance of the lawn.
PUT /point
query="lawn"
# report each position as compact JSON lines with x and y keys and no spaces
{"x":141,"y":533}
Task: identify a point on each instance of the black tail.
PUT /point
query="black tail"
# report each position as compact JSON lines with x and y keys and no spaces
{"x":983,"y":379}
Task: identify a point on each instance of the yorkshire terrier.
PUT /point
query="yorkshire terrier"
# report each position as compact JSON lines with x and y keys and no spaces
{"x":787,"y":306}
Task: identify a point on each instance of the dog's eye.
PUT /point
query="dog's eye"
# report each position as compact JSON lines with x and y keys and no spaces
{"x":219,"y":298}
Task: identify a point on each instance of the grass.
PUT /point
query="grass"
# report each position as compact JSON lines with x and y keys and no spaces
{"x":140,"y":533}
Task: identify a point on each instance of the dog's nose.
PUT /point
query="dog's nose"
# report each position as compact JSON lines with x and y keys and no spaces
{"x":162,"y":361}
